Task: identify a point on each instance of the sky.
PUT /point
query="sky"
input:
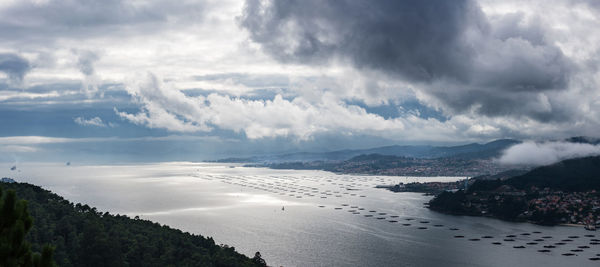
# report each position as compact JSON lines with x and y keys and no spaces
{"x":141,"y":80}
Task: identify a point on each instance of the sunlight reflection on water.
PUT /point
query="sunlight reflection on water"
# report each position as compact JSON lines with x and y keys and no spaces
{"x":328,"y":220}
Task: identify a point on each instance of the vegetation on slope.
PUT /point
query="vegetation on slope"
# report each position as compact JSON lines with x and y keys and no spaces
{"x":83,"y":236}
{"x":565,"y":192}
{"x":573,"y":175}
{"x":15,"y":222}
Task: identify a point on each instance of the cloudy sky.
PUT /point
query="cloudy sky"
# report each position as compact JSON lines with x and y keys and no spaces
{"x":191,"y":80}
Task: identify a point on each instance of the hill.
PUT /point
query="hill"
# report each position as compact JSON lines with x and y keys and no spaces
{"x":580,"y":174}
{"x":469,"y":151}
{"x":565,"y":192}
{"x":84,"y":236}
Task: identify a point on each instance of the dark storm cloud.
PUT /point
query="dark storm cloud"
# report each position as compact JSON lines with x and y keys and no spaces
{"x":14,"y":66}
{"x":450,"y":48}
{"x":417,"y":39}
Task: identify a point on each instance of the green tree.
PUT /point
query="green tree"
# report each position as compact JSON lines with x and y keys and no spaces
{"x":258,"y":260}
{"x":15,"y":222}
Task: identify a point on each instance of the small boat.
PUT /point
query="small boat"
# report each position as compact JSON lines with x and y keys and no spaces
{"x":282,"y":208}
{"x":518,"y":246}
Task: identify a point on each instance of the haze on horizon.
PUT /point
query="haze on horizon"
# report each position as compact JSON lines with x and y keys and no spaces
{"x":191,"y":80}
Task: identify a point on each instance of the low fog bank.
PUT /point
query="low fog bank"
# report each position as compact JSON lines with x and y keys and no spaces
{"x":544,"y":153}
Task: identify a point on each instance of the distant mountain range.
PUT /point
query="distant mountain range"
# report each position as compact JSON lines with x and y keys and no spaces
{"x":469,"y":151}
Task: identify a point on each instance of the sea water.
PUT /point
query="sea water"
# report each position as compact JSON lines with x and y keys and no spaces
{"x":307,"y":218}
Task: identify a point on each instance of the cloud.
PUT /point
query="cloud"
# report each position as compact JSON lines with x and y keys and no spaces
{"x":451,"y":51}
{"x":303,"y":116}
{"x":532,"y":153}
{"x":30,"y":140}
{"x":86,"y":60}
{"x":168,"y":108}
{"x":14,"y":66}
{"x":17,"y":149}
{"x":95,"y":121}
{"x":42,"y":140}
{"x":35,"y":20}
{"x":85,"y":63}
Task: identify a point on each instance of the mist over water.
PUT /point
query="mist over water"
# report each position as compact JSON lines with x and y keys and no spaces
{"x":306,"y":218}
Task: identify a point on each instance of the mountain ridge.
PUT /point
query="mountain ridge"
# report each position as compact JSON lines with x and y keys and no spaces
{"x":468,"y":151}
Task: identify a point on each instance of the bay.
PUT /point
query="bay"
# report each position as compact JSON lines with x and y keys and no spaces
{"x":307,"y":218}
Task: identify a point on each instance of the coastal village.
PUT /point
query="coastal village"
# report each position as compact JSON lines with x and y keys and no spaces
{"x":541,"y":206}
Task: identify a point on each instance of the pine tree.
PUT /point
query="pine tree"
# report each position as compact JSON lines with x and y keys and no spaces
{"x":258,"y":260}
{"x":15,"y":222}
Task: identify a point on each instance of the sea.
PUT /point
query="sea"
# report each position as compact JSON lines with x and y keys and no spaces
{"x":309,"y":218}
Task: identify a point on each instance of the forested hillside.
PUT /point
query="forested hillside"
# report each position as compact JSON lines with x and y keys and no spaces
{"x":84,"y":236}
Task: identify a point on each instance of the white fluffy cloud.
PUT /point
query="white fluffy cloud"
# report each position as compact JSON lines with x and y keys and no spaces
{"x":169,"y":108}
{"x":95,"y":121}
{"x":532,"y":153}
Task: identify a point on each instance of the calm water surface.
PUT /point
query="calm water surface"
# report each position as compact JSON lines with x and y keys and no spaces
{"x":309,"y":218}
